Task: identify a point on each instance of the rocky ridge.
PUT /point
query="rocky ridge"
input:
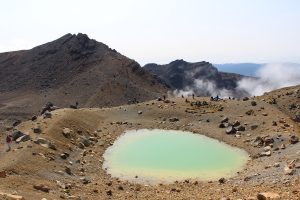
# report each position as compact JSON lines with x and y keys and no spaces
{"x":201,"y":78}
{"x":73,"y":68}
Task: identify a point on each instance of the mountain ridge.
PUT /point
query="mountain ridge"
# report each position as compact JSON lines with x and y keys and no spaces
{"x":181,"y":75}
{"x":72,"y":68}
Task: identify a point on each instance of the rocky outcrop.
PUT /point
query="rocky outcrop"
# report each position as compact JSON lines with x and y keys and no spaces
{"x":181,"y":75}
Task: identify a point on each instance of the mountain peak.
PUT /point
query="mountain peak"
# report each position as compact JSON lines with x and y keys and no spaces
{"x":76,"y":68}
{"x":79,"y":36}
{"x":178,"y":62}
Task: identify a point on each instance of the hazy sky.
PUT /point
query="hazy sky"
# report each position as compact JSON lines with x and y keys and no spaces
{"x":160,"y":31}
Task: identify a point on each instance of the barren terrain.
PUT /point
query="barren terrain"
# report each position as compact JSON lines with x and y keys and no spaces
{"x":63,"y":158}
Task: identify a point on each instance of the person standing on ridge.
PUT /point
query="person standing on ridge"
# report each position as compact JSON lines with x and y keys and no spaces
{"x":8,"y":142}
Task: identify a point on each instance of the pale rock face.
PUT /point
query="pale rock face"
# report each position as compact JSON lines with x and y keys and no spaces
{"x":10,"y":196}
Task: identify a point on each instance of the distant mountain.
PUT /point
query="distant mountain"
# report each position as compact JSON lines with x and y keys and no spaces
{"x":202,"y":78}
{"x":246,"y":69}
{"x":73,"y":68}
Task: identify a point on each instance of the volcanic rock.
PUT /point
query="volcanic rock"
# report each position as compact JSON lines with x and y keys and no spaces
{"x":294,"y":139}
{"x":230,"y":130}
{"x":66,"y":132}
{"x":173,"y":119}
{"x":42,"y":187}
{"x":268,"y":196}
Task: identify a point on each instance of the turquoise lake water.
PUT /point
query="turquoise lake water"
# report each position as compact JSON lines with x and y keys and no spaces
{"x":158,"y":156}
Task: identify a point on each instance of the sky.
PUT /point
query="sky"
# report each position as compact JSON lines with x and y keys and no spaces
{"x":159,"y":31}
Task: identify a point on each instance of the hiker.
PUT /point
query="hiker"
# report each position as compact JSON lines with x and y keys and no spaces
{"x":8,"y":142}
{"x":193,"y":96}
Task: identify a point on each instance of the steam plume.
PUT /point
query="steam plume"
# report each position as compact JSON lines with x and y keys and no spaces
{"x":271,"y":77}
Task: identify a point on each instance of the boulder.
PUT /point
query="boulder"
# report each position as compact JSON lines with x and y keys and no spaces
{"x":42,"y":187}
{"x":225,"y":120}
{"x":240,"y":128}
{"x":66,"y":132}
{"x":267,"y":148}
{"x":222,"y":125}
{"x":245,"y":98}
{"x":17,"y":134}
{"x":64,"y":155}
{"x":253,"y":127}
{"x":250,"y":112}
{"x":61,"y":185}
{"x":45,"y":143}
{"x":16,"y":123}
{"x":109,"y":193}
{"x":266,"y":153}
{"x":222,"y":180}
{"x":37,"y":129}
{"x":120,"y":187}
{"x":276,"y":165}
{"x":268,"y":141}
{"x":236,"y":123}
{"x":81,"y":145}
{"x":47,"y":114}
{"x":85,"y":180}
{"x":230,"y":130}
{"x":85,"y":141}
{"x":173,"y":119}
{"x":23,"y":138}
{"x":33,"y":118}
{"x":68,"y":170}
{"x":294,"y":139}
{"x":258,"y":141}
{"x":253,"y":103}
{"x":267,"y":196}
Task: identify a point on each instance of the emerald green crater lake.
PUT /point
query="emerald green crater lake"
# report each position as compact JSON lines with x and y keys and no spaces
{"x":165,"y":156}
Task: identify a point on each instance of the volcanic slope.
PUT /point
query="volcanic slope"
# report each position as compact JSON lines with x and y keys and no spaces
{"x":64,"y":159}
{"x":73,"y":68}
{"x":286,"y":99}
